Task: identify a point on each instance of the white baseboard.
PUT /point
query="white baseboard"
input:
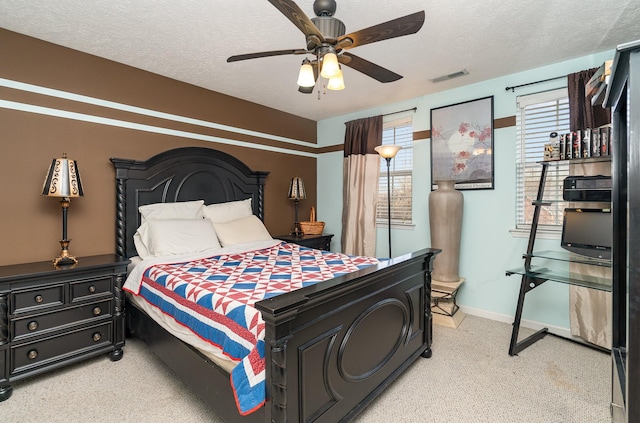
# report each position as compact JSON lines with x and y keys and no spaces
{"x":531,"y":324}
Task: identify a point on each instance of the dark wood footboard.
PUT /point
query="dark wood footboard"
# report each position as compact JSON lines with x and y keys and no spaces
{"x":333,"y":347}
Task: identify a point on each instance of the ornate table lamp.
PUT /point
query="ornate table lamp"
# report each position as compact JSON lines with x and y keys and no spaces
{"x":297,"y":193}
{"x":63,"y":180}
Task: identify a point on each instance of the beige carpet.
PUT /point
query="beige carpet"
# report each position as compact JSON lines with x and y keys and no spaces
{"x":470,"y":378}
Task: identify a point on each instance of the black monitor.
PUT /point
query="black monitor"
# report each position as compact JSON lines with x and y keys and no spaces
{"x":588,"y":232}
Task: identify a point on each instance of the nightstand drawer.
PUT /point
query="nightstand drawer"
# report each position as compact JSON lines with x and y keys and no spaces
{"x":28,"y":356}
{"x":31,"y":325}
{"x":36,"y":298}
{"x":90,"y":288}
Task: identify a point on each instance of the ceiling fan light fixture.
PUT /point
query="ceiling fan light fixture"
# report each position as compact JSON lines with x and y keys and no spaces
{"x":336,"y":83}
{"x":305,"y":76}
{"x":330,"y":67}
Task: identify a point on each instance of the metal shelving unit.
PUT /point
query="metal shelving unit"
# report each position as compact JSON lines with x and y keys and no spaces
{"x":550,"y":265}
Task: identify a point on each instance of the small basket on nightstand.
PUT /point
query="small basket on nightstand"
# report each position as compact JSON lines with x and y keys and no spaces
{"x":312,"y":227}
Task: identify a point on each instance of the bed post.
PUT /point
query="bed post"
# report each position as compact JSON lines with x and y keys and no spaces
{"x":277,"y":412}
{"x":428,"y":317}
{"x":277,"y":334}
{"x":120,"y":221}
{"x":122,"y":174}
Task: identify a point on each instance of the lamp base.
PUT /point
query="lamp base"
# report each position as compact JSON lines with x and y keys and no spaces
{"x":64,"y":259}
{"x":297,"y":233}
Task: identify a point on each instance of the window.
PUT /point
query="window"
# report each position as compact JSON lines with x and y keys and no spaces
{"x":399,"y":132}
{"x":539,"y":115}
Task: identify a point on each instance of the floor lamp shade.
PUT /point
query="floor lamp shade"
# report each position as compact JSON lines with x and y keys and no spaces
{"x":63,"y":181}
{"x":297,"y":193}
{"x":388,"y":151}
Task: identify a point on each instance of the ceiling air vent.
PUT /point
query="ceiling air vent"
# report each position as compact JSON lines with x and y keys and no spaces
{"x":450,"y":76}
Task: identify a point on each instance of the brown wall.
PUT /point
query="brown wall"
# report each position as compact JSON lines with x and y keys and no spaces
{"x":31,"y":224}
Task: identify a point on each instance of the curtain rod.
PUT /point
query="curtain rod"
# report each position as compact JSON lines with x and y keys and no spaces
{"x":400,"y":111}
{"x":531,"y":83}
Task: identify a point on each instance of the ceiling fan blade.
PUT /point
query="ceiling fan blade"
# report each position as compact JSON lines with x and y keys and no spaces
{"x":368,"y":68}
{"x":265,"y":54}
{"x":309,"y":90}
{"x":293,"y":12}
{"x":405,"y":25}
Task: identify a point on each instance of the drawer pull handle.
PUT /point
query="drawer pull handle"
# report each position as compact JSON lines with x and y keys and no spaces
{"x":32,"y":354}
{"x":38,"y":299}
{"x":33,"y":325}
{"x":97,"y":336}
{"x":92,"y":289}
{"x":97,"y":311}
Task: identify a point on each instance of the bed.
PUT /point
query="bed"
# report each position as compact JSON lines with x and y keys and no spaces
{"x":329,"y":348}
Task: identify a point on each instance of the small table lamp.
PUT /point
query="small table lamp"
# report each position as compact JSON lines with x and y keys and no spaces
{"x":63,"y":180}
{"x":297,"y":193}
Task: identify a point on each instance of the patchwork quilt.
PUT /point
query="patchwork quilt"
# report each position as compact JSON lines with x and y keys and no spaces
{"x":214,"y":297}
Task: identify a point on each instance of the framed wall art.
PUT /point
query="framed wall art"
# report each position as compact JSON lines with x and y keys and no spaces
{"x":462,"y":144}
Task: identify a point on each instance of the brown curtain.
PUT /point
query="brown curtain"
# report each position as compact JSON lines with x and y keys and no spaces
{"x":361,"y":171}
{"x":582,"y":115}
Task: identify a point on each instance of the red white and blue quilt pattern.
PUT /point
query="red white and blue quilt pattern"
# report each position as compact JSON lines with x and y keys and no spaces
{"x":214,"y":297}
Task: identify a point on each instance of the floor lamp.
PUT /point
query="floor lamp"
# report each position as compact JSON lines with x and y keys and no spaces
{"x":388,"y":152}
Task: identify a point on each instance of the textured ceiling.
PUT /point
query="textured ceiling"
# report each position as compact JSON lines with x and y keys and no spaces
{"x":190,"y":40}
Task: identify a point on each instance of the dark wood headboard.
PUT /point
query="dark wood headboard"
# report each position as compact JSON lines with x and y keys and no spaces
{"x":182,"y":174}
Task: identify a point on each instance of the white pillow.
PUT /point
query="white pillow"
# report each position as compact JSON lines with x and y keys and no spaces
{"x":141,"y":246}
{"x":179,"y":210}
{"x":157,"y":211}
{"x":246,"y":229}
{"x":180,"y":236}
{"x":225,"y":212}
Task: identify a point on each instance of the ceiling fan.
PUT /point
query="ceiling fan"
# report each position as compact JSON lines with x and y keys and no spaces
{"x":326,"y":40}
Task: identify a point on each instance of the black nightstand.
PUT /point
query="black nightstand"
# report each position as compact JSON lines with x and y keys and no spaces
{"x":319,"y":242}
{"x":54,"y":316}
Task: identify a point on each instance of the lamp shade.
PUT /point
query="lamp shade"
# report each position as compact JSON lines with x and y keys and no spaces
{"x":388,"y":151}
{"x":306,"y":78}
{"x":337,"y":82}
{"x":63,"y":179}
{"x":296,"y":189}
{"x":330,"y":67}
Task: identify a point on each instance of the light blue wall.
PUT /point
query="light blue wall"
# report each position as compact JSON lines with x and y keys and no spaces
{"x":488,"y":246}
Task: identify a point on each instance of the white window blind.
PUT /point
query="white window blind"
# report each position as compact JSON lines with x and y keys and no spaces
{"x":539,"y":115}
{"x":399,"y":132}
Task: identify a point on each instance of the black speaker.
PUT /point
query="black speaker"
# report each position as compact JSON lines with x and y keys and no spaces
{"x":587,"y":188}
